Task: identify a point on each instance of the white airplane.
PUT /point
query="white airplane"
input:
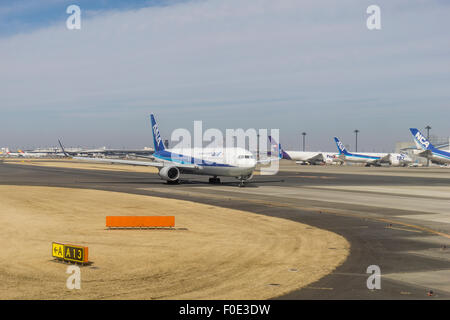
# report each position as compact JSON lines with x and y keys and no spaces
{"x":307,"y":157}
{"x":375,"y":159}
{"x":428,"y":150}
{"x":19,"y":153}
{"x":215,"y":162}
{"x":26,"y":154}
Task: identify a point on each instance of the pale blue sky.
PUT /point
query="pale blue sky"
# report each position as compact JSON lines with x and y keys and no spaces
{"x":295,"y":65}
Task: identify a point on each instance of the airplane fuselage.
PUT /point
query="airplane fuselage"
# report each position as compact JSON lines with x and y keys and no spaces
{"x":228,"y":162}
{"x":440,"y":156}
{"x":393,"y":159}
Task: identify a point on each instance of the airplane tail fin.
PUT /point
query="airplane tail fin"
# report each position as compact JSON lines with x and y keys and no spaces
{"x":341,"y":147}
{"x":62,"y":148}
{"x":277,"y":146}
{"x":420,"y":140}
{"x":157,"y":140}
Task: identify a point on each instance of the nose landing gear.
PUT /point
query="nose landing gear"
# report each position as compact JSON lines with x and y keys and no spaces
{"x":243,"y":179}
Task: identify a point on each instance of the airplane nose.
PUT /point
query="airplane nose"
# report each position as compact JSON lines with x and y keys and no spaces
{"x":250,"y":163}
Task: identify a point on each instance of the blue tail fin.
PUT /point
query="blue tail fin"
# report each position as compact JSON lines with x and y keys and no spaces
{"x":157,"y":140}
{"x":281,"y":153}
{"x":420,"y":140}
{"x":341,"y":147}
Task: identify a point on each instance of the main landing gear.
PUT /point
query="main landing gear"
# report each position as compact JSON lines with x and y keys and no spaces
{"x":214,"y":180}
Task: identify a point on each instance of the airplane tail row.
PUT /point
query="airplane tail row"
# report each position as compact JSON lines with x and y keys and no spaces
{"x":284,"y":155}
{"x":419,"y":139}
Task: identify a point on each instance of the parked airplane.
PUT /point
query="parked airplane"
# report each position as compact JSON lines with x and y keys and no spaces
{"x":307,"y":157}
{"x":375,"y":159}
{"x":429,"y":151}
{"x":215,"y":162}
{"x":26,"y":154}
{"x":19,"y":153}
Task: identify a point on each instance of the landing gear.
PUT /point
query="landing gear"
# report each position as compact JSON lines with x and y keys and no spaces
{"x":242,"y":180}
{"x":173,"y":181}
{"x":214,"y":180}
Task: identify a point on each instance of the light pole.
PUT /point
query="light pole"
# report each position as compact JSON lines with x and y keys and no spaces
{"x":304,"y":135}
{"x":356,"y":138}
{"x":428,"y":138}
{"x":257,"y":148}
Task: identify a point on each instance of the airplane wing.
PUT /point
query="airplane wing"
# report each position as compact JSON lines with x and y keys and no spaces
{"x":145,"y":157}
{"x":429,"y":155}
{"x":317,"y":157}
{"x":129,"y":162}
{"x":426,"y":154}
{"x":385,"y":159}
{"x":121,"y":161}
{"x":137,"y":163}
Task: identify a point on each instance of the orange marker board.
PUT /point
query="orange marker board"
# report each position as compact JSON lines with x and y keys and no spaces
{"x":140,"y":221}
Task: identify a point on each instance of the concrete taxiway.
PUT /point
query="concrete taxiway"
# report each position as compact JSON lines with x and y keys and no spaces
{"x":395,"y":218}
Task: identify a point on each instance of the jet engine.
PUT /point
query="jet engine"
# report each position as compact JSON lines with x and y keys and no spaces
{"x":394,"y":161}
{"x":169,"y":173}
{"x":399,"y":160}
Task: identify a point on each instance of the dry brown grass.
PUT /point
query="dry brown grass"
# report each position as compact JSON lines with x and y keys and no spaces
{"x":214,"y":253}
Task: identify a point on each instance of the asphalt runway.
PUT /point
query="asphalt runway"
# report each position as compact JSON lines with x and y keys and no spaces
{"x":395,"y":218}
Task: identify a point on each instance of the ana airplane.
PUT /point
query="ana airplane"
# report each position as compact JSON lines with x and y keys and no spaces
{"x":306,"y":157}
{"x":429,"y":151}
{"x":215,"y":162}
{"x":372,"y":159}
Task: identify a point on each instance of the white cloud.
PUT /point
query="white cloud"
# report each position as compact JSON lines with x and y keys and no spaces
{"x":289,"y":64}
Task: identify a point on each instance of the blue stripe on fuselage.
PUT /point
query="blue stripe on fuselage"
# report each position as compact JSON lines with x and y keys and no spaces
{"x":441,"y":153}
{"x":362,"y":156}
{"x":183,"y":159}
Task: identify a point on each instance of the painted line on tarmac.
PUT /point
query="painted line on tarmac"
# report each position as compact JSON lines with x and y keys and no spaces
{"x":318,"y":210}
{"x":404,"y":229}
